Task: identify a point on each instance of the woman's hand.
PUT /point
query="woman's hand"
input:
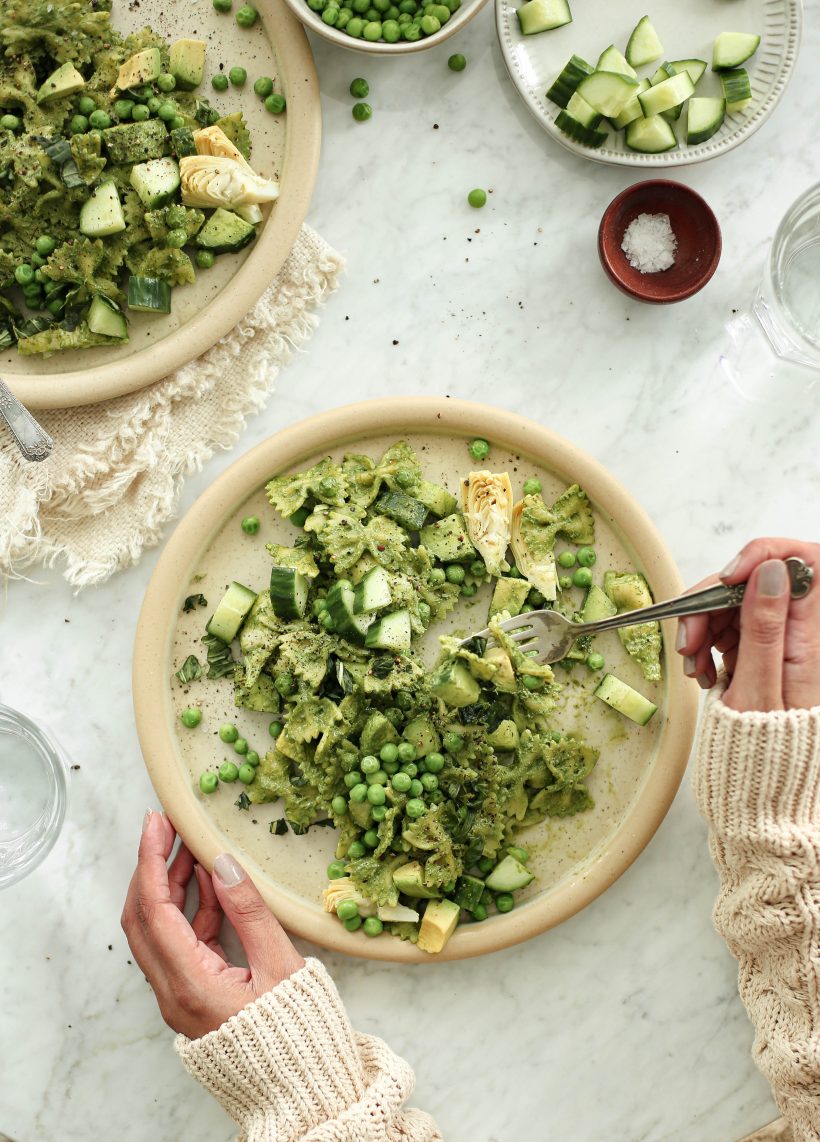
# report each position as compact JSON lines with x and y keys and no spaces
{"x":771,"y":644}
{"x":196,"y":988}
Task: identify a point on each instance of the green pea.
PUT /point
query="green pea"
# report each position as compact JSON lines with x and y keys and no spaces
{"x":485,"y":865}
{"x":415,"y":807}
{"x":372,"y":32}
{"x":457,"y":62}
{"x":228,"y":733}
{"x":532,"y":486}
{"x":123,"y":108}
{"x":389,"y":752}
{"x":343,"y":19}
{"x":536,"y":599}
{"x":479,"y":912}
{"x":566,"y":559}
{"x":219,"y":82}
{"x":166,"y":111}
{"x":247,"y":774}
{"x":24,"y":274}
{"x":247,"y":16}
{"x":370,"y":764}
{"x":401,"y":782}
{"x":85,"y":105}
{"x":586,"y":556}
{"x":411,"y":768}
{"x":275,"y":729}
{"x":140,"y":113}
{"x":213,"y":117}
{"x":208,"y":782}
{"x":176,"y":239}
{"x":237,"y":76}
{"x":39,"y":276}
{"x":452,"y":742}
{"x":477,"y":197}
{"x":339,"y":805}
{"x":52,"y":287}
{"x":336,"y":870}
{"x":327,"y":620}
{"x":441,"y":13}
{"x":437,"y":576}
{"x":468,"y":590}
{"x":372,"y":15}
{"x":353,"y":924}
{"x":223,"y":5}
{"x":479,"y":448}
{"x":285,"y":683}
{"x":424,"y":612}
{"x":455,"y":573}
{"x":504,"y":902}
{"x":378,"y":812}
{"x":514,"y":573}
{"x":408,"y":7}
{"x":532,"y":683}
{"x":416,"y":788}
{"x":228,"y":771}
{"x":520,"y":854}
{"x":328,"y":487}
{"x":263,"y":87}
{"x":376,"y":794}
{"x":153,"y":104}
{"x":582,"y":577}
{"x":275,"y":104}
{"x":99,"y":119}
{"x":406,"y":751}
{"x":430,"y":25}
{"x":251,"y":524}
{"x":252,"y":758}
{"x":355,"y":26}
{"x":192,"y":716}
{"x":377,"y":778}
{"x":78,"y":125}
{"x":434,"y":762}
{"x":372,"y":926}
{"x":478,"y":568}
{"x":166,"y":82}
{"x":565,"y":582}
{"x":11,"y":122}
{"x":353,"y":778}
{"x":361,"y":111}
{"x":355,"y":850}
{"x":429,"y":782}
{"x":347,"y":910}
{"x":371,"y":839}
{"x":240,"y":746}
{"x":358,"y":793}
{"x":595,"y":661}
{"x":37,"y":261}
{"x":56,"y":306}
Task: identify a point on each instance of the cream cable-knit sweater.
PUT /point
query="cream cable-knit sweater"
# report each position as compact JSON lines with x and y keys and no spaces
{"x":290,"y":1067}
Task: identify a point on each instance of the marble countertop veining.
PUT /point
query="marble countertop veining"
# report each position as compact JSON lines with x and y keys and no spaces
{"x":624,"y":1024}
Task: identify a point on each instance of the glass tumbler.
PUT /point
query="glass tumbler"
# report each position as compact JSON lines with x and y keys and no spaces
{"x":33,"y":794}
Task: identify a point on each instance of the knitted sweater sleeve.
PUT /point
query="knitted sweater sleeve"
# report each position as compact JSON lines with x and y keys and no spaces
{"x":289,"y":1066}
{"x":757,"y":783}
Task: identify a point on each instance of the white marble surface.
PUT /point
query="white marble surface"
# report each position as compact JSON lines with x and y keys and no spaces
{"x":624,"y":1024}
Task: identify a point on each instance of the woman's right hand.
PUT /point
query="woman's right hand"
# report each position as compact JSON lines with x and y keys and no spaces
{"x":771,"y":644}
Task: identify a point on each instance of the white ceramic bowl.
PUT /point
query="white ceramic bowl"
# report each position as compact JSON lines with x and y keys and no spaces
{"x":314,"y":21}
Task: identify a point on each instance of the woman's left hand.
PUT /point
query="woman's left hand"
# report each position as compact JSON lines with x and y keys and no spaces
{"x":196,"y":988}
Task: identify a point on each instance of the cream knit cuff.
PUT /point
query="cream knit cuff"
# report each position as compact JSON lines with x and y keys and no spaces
{"x":285,"y":1063}
{"x":757,"y":766}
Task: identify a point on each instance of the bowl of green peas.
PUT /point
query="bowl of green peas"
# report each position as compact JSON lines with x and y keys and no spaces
{"x":386,"y":27}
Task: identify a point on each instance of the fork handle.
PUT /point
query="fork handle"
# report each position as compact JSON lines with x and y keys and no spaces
{"x":717,"y":598}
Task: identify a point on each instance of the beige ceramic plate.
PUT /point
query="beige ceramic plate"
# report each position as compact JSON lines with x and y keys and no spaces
{"x":284,"y":146}
{"x":575,"y":860}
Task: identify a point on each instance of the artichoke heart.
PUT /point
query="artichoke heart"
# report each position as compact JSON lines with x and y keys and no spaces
{"x":217,"y":180}
{"x":343,"y":889}
{"x":532,"y":549}
{"x":214,"y":141}
{"x":486,"y":499}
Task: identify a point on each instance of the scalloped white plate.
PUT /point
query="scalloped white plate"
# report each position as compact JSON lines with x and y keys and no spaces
{"x":687,"y":32}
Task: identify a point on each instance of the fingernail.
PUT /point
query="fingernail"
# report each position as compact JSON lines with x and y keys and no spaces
{"x":227,"y":870}
{"x":683,"y":635}
{"x":146,"y":821}
{"x":772,"y":578}
{"x":689,"y":665}
{"x":730,"y":568}
{"x":704,"y":681}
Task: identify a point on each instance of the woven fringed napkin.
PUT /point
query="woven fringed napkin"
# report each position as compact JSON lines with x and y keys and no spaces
{"x":114,"y":477}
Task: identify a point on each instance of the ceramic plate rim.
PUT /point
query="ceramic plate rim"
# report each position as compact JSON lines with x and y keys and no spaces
{"x":202,"y":522}
{"x":303,"y":130}
{"x":545,"y":116}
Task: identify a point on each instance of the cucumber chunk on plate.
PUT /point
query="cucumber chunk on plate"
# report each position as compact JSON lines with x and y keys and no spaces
{"x":543,"y":15}
{"x":643,"y":46}
{"x":231,"y":612}
{"x":156,"y":182}
{"x":288,"y":592}
{"x":737,"y":89}
{"x":582,"y":113}
{"x":225,"y":232}
{"x":667,"y":94}
{"x":565,"y":84}
{"x":694,"y":67}
{"x":650,"y":136}
{"x":340,"y":605}
{"x":608,"y":92}
{"x":731,"y":49}
{"x":613,"y":60}
{"x":508,"y":876}
{"x":705,"y":117}
{"x":148,"y":295}
{"x":107,"y":319}
{"x":624,"y":699}
{"x":633,"y":109}
{"x":391,"y":632}
{"x":101,"y":214}
{"x":573,"y":129}
{"x":372,"y":592}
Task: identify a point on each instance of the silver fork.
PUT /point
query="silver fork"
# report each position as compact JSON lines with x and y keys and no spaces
{"x":547,"y":635}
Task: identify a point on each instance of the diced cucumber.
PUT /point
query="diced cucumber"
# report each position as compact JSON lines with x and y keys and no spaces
{"x":543,"y":15}
{"x":148,"y":295}
{"x":509,"y":595}
{"x":737,"y":89}
{"x":643,"y":46}
{"x":372,"y":592}
{"x":509,"y":875}
{"x":625,"y":700}
{"x":613,"y":60}
{"x":663,"y":72}
{"x":468,"y":892}
{"x":582,"y":113}
{"x":408,"y":512}
{"x":435,"y":498}
{"x":633,"y":109}
{"x":608,"y":92}
{"x":588,"y":136}
{"x":225,"y":232}
{"x":565,"y":84}
{"x":693,"y":67}
{"x":667,"y":94}
{"x":731,"y":49}
{"x":182,"y":142}
{"x":454,"y":684}
{"x":156,"y":182}
{"x":447,"y":540}
{"x":597,"y":606}
{"x":106,"y":318}
{"x":101,"y":214}
{"x":650,"y":136}
{"x":288,"y":592}
{"x":349,"y":625}
{"x":705,"y":117}
{"x":390,"y":632}
{"x":231,"y":612}
{"x":136,"y":142}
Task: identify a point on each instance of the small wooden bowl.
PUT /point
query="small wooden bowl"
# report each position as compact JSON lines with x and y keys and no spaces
{"x":694,"y":225}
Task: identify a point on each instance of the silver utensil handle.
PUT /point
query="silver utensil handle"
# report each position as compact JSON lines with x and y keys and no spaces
{"x":717,"y":598}
{"x":32,"y":439}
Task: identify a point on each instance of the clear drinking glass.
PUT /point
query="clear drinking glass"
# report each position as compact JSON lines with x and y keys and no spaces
{"x":33,"y":794}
